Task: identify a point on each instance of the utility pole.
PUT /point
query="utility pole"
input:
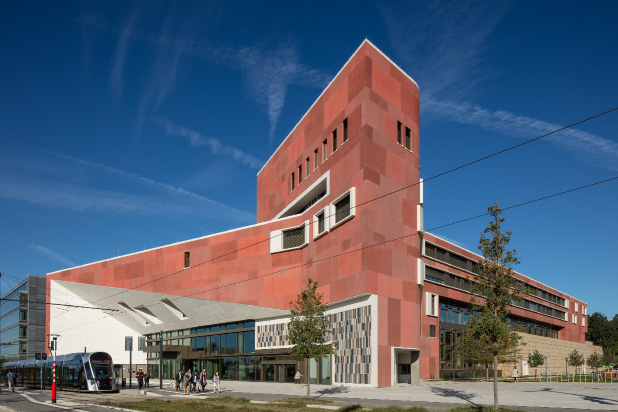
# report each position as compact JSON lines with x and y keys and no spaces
{"x":161,"y":360}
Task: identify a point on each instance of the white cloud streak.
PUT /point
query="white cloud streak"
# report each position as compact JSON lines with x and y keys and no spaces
{"x":589,"y":147}
{"x":52,"y":255}
{"x":196,"y":139}
{"x":268,"y":71}
{"x":42,"y":189}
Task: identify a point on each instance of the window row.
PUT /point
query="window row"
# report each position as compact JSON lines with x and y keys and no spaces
{"x":453,"y":259}
{"x":336,"y":213}
{"x":448,"y":279}
{"x":197,"y":331}
{"x":404,"y":132}
{"x":296,"y":178}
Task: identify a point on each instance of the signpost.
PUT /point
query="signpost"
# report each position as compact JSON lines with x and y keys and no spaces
{"x":54,"y":347}
{"x":41,"y":356}
{"x":128,"y":346}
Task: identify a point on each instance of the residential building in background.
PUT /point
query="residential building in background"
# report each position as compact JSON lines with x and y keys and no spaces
{"x":22,"y":319}
{"x":340,"y":201}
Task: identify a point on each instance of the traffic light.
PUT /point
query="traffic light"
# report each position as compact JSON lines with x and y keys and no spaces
{"x":37,"y":356}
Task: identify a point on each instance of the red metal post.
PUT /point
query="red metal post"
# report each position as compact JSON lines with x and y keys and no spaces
{"x":54,"y":381}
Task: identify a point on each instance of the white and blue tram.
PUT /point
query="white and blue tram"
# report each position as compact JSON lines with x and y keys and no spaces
{"x":83,"y":372}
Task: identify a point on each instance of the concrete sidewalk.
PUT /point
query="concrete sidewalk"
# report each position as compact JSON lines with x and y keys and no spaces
{"x":532,"y":395}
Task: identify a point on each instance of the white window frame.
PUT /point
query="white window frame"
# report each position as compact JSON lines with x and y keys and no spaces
{"x":276,"y":238}
{"x":436,"y":306}
{"x":326,"y":212}
{"x":332,"y":213}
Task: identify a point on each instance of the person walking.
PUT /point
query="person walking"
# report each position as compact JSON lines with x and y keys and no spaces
{"x":187,"y":382}
{"x":10,"y":377}
{"x":514,"y":375}
{"x":140,"y":378}
{"x":179,"y":376}
{"x":194,"y":382}
{"x":147,"y":379}
{"x":297,"y":378}
{"x":216,"y":383}
{"x":203,"y":381}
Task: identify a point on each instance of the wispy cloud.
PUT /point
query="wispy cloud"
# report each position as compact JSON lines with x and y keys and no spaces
{"x":216,"y":147}
{"x":146,"y":197}
{"x":268,"y":70}
{"x":117,"y":73}
{"x":591,"y":148}
{"x":52,"y":255}
{"x":442,"y":44}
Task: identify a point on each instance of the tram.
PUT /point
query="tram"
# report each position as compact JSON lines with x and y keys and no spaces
{"x":80,"y":372}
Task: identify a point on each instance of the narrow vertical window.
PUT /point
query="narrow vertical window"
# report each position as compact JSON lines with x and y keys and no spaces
{"x":315,"y":159}
{"x":408,"y":139}
{"x":345,"y":130}
{"x":399,"y":132}
{"x":293,"y":182}
{"x":433,"y":305}
{"x":187,"y":259}
{"x":300,"y":174}
{"x":307,"y":166}
{"x":334,"y":140}
{"x":324,"y":149}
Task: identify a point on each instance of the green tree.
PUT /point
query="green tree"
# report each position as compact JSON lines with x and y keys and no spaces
{"x":536,"y":359}
{"x":575,"y":359}
{"x":604,"y":333}
{"x":308,"y":326}
{"x":595,"y":360}
{"x":494,"y":292}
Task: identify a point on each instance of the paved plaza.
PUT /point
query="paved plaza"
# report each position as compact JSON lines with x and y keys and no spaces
{"x":435,"y":396}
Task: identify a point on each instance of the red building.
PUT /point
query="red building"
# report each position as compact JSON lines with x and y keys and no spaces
{"x":339,"y":201}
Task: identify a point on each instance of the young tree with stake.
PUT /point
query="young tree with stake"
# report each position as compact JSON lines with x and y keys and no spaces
{"x":493,"y":291}
{"x":308,"y":327}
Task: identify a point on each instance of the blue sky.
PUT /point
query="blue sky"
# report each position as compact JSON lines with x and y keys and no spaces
{"x":131,"y":125}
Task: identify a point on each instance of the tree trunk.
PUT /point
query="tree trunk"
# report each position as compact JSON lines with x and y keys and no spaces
{"x":308,"y":383}
{"x":487,"y":372}
{"x":495,"y":382}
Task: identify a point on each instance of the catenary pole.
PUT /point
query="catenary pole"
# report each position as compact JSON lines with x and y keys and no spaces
{"x":161,"y":360}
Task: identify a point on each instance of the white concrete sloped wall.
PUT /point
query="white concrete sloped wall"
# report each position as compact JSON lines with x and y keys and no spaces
{"x":94,"y":329}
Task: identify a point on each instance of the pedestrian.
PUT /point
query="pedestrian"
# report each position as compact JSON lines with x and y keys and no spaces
{"x":10,"y":377}
{"x":187,"y":382}
{"x":194,"y":382}
{"x":514,"y":375}
{"x":297,"y":378}
{"x":140,"y":379}
{"x":147,"y":379}
{"x":203,"y":380}
{"x":216,"y":383}
{"x":179,"y":377}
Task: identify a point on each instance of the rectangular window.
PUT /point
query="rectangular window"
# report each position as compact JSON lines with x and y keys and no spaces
{"x":433,"y":305}
{"x":187,"y":259}
{"x":293,"y":182}
{"x":315,"y":159}
{"x":321,"y":221}
{"x":334,"y":140}
{"x":342,"y":209}
{"x":345,"y":130}
{"x":307,"y":166}
{"x":324,"y":149}
{"x":408,"y":139}
{"x":300,"y":174}
{"x":432,"y":331}
{"x":293,"y":238}
{"x":399,"y":132}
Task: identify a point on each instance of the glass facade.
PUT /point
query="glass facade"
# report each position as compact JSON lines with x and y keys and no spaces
{"x":228,"y":349}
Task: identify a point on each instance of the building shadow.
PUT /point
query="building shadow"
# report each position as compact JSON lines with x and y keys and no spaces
{"x":589,"y":398}
{"x":452,"y":393}
{"x":336,"y":390}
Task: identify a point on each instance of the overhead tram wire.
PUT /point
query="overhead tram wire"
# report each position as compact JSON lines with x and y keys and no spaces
{"x":376,"y":198}
{"x":372,"y":245}
{"x":56,"y":304}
